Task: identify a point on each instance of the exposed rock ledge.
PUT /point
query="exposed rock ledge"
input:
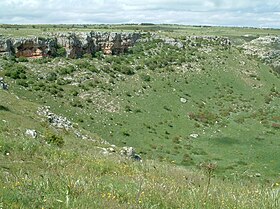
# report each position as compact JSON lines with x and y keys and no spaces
{"x":75,"y":44}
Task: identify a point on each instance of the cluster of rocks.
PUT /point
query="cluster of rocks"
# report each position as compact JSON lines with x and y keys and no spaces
{"x":195,"y":41}
{"x":55,"y":120}
{"x":174,"y":42}
{"x":200,"y":41}
{"x":78,"y":44}
{"x":266,"y":48}
{"x":75,"y":44}
{"x":128,"y":152}
{"x":3,"y":85}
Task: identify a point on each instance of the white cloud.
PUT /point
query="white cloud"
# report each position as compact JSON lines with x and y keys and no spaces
{"x":211,"y":12}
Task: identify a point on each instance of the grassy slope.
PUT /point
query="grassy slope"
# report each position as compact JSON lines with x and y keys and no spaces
{"x":37,"y":175}
{"x":223,"y":86}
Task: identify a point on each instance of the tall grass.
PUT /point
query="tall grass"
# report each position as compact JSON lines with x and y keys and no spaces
{"x":38,"y":175}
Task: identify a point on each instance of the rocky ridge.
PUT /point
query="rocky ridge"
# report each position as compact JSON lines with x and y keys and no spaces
{"x":75,"y":44}
{"x":61,"y":122}
{"x":266,"y":48}
{"x":194,"y":41}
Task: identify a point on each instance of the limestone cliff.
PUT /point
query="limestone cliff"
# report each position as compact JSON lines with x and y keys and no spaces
{"x":75,"y":44}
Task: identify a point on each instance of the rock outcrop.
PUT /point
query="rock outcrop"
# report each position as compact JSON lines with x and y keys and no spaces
{"x":266,"y":48}
{"x":56,"y":121}
{"x":28,"y":47}
{"x":3,"y":85}
{"x":75,"y":44}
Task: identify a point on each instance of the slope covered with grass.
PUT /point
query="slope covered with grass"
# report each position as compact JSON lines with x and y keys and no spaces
{"x":181,"y":108}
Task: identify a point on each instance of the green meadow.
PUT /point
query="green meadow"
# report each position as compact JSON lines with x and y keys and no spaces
{"x":205,"y":120}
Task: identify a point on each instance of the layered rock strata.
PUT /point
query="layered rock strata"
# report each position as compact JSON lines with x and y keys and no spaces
{"x":75,"y":44}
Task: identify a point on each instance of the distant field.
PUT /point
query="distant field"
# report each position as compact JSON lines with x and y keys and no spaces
{"x":170,"y":30}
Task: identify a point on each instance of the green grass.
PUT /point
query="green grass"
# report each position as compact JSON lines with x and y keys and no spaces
{"x":36,"y":175}
{"x":232,"y":104}
{"x":164,"y":29}
{"x":230,"y":107}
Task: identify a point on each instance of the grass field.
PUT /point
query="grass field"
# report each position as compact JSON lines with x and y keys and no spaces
{"x":204,"y":119}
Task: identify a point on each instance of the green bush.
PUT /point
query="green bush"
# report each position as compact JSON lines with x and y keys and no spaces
{"x":52,"y":76}
{"x":87,"y":56}
{"x":22,"y":83}
{"x":3,"y":108}
{"x":15,"y":71}
{"x":22,"y":59}
{"x":61,"y":52}
{"x":54,"y":139}
{"x":145,"y":77}
{"x":127,"y":70}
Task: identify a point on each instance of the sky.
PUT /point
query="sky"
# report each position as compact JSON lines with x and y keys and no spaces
{"x":254,"y":13}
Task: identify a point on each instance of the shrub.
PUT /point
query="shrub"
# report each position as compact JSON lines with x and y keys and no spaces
{"x":145,"y":77}
{"x":22,"y":59}
{"x":54,"y":139}
{"x":15,"y":71}
{"x":3,"y":108}
{"x":125,"y":133}
{"x":127,"y":70}
{"x":76,"y":103}
{"x":66,"y":70}
{"x":22,"y":83}
{"x":187,"y":160}
{"x":61,"y":52}
{"x":93,"y":69}
{"x":83,"y":64}
{"x":275,"y":125}
{"x":52,"y":76}
{"x":87,"y":56}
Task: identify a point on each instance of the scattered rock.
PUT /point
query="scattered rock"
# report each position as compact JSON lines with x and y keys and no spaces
{"x":203,"y":41}
{"x":105,"y":151}
{"x":55,"y":120}
{"x":31,"y":133}
{"x":266,"y":48}
{"x":183,"y":100}
{"x":173,"y":42}
{"x":257,"y":175}
{"x":3,"y":85}
{"x":130,"y":153}
{"x":194,"y":135}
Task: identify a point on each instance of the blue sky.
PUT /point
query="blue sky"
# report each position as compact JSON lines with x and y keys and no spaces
{"x":256,"y":13}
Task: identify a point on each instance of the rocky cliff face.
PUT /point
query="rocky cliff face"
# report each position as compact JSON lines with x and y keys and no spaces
{"x":75,"y":44}
{"x":28,"y":47}
{"x":267,"y":48}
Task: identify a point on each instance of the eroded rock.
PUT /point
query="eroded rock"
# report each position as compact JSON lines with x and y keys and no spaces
{"x":75,"y":44}
{"x":31,"y":133}
{"x":55,"y":120}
